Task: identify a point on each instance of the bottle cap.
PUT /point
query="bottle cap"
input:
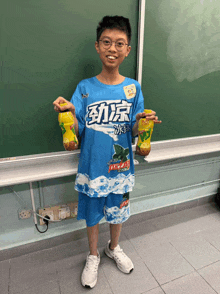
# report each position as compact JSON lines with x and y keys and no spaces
{"x":63,"y":104}
{"x":147,"y":110}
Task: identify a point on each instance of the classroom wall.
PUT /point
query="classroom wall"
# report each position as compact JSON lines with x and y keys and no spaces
{"x":31,"y":30}
{"x":171,"y":184}
{"x":47,"y":48}
{"x":181,"y":66}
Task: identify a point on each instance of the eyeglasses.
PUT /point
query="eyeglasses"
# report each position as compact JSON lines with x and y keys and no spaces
{"x":106,"y":43}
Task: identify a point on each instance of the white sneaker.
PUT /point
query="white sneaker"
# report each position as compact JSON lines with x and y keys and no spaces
{"x":90,"y":272}
{"x":122,"y":260}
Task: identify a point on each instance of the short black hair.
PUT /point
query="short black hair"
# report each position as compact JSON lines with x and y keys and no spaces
{"x":114,"y":22}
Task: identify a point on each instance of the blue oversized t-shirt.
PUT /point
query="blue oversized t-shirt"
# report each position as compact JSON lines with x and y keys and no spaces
{"x":106,"y":115}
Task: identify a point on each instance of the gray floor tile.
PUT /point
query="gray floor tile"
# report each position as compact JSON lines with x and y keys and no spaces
{"x":54,"y":254}
{"x":48,"y":255}
{"x":157,"y":290}
{"x":163,"y":260}
{"x":39,"y":278}
{"x":168,"y":230}
{"x":186,"y":216}
{"x":4,"y":275}
{"x":190,"y":284}
{"x":140,"y":229}
{"x":69,"y":273}
{"x":144,"y":241}
{"x":197,"y":251}
{"x":167,"y":251}
{"x":41,"y":287}
{"x":211,"y":274}
{"x":212,"y":235}
{"x":139,"y":281}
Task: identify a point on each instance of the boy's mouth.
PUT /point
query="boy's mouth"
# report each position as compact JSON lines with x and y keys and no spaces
{"x":111,"y":57}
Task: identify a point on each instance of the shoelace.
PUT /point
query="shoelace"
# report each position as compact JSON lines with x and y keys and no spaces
{"x":119,"y":250}
{"x":91,"y":264}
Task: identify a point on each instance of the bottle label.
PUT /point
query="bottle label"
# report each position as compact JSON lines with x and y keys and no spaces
{"x":63,"y":128}
{"x":74,"y":133}
{"x":144,"y":135}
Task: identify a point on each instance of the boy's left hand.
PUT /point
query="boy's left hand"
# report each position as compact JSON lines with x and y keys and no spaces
{"x":149,"y":116}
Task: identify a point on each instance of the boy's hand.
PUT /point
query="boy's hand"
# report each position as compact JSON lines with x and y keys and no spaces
{"x":70,"y":107}
{"x":61,"y":100}
{"x":149,"y":116}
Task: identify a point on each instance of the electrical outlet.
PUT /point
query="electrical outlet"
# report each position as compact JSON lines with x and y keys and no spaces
{"x":45,"y":212}
{"x":75,"y":209}
{"x":24,"y":214}
{"x":59,"y":212}
{"x":49,"y":213}
{"x":64,"y":212}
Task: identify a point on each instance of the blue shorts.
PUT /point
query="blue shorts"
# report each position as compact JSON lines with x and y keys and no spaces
{"x":114,"y":207}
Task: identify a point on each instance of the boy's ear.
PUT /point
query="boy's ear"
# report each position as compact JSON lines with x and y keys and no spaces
{"x":97,"y":46}
{"x":128,"y":51}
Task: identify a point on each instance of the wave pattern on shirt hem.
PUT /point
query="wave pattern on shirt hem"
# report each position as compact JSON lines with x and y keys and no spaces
{"x":103,"y":186}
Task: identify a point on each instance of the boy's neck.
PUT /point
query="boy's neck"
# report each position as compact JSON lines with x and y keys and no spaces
{"x":110,"y":78}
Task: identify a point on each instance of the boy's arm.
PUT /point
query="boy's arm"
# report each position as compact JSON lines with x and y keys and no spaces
{"x":135,"y":130}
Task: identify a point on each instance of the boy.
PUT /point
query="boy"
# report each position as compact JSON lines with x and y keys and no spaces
{"x":107,"y":109}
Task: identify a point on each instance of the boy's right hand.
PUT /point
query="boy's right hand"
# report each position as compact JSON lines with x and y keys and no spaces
{"x":59,"y":108}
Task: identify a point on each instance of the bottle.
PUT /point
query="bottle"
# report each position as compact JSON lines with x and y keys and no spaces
{"x":145,"y":130}
{"x":66,"y":121}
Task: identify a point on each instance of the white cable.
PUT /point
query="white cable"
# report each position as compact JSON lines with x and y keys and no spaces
{"x":46,"y":218}
{"x":33,"y":202}
{"x":26,"y":206}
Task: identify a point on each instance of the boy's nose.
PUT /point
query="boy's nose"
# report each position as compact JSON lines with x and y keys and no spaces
{"x":112,"y":45}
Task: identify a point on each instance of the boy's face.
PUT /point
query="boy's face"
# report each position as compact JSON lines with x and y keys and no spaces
{"x":113,"y":35}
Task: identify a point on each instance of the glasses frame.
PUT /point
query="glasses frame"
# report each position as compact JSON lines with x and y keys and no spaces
{"x":111,"y":44}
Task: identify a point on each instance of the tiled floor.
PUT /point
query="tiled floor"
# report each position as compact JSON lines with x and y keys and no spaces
{"x":174,"y":254}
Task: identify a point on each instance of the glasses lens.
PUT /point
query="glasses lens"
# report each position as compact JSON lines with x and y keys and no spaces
{"x":107,"y":43}
{"x":120,"y":46}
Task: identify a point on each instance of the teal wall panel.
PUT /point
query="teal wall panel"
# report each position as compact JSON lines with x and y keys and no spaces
{"x":157,"y":185}
{"x":181,"y":67}
{"x":47,"y":48}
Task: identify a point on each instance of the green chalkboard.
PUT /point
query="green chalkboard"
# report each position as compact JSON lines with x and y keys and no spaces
{"x":181,"y":67}
{"x":47,"y":48}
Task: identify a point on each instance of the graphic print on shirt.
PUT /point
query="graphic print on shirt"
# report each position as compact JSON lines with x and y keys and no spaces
{"x":120,"y":162}
{"x":130,"y":91}
{"x":103,"y":186}
{"x":85,"y":96}
{"x":110,"y":117}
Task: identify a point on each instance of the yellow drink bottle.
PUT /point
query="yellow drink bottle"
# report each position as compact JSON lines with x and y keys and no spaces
{"x":66,"y":121}
{"x":145,"y":130}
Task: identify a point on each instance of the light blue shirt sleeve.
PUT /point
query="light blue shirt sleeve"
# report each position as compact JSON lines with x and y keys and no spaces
{"x":77,"y":101}
{"x":138,"y":105}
